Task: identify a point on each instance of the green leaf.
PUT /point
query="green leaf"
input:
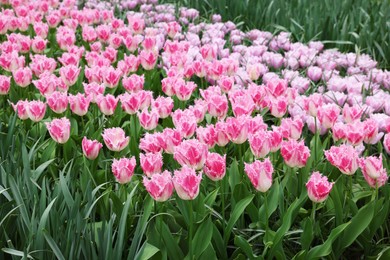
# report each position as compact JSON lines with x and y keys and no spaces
{"x":146,"y":252}
{"x":326,"y":248}
{"x":53,"y":246}
{"x":38,"y":171}
{"x":16,"y":252}
{"x":244,"y":246}
{"x":236,"y":213}
{"x":202,"y":237}
{"x":122,"y":228}
{"x":171,"y":244}
{"x":307,"y":234}
{"x":358,"y":224}
{"x":42,"y":223}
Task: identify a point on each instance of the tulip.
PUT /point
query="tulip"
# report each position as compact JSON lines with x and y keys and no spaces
{"x":260,"y":174}
{"x":159,"y":186}
{"x":328,"y":115}
{"x":123,"y":169}
{"x":163,"y":105}
{"x":191,"y":153}
{"x":134,"y":83}
{"x":148,"y":120}
{"x":59,"y":129}
{"x":21,"y":108}
{"x":215,"y":166}
{"x":207,"y":135}
{"x":22,"y":76}
{"x":79,"y":104}
{"x":36,"y":110}
{"x":115,"y":139}
{"x":386,"y":143}
{"x":107,"y":104}
{"x":151,"y":163}
{"x":344,"y":157}
{"x":5,"y":84}
{"x":294,"y":153}
{"x":57,"y":101}
{"x":373,"y":171}
{"x":318,"y":187}
{"x":91,"y":148}
{"x":69,"y":74}
{"x":237,"y":129}
{"x":187,"y":183}
{"x":259,"y":144}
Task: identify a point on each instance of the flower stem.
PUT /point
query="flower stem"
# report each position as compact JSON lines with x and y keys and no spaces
{"x":313,"y":212}
{"x":191,"y":254}
{"x":223,"y":207}
{"x":266,"y":211}
{"x":315,"y":140}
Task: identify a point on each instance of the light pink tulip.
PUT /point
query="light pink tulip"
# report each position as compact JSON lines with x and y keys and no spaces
{"x":159,"y":186}
{"x":5,"y":84}
{"x":79,"y":104}
{"x":318,"y":187}
{"x":22,"y":76}
{"x":21,"y":108}
{"x":59,"y":129}
{"x":107,"y":104}
{"x":123,"y":169}
{"x":134,"y":83}
{"x":163,"y":105}
{"x":36,"y":110}
{"x":259,"y":143}
{"x":215,"y":166}
{"x":151,"y":163}
{"x":328,"y":115}
{"x":260,"y":174}
{"x":344,"y":157}
{"x":91,"y":148}
{"x":187,"y":183}
{"x":69,"y":74}
{"x":294,"y":153}
{"x":237,"y":129}
{"x":115,"y":139}
{"x":148,"y":120}
{"x":191,"y":153}
{"x":57,"y":101}
{"x":372,"y":166}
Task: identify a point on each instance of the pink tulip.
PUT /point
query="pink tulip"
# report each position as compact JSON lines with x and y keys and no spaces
{"x":275,"y":139}
{"x":5,"y":84}
{"x":318,"y":187}
{"x":159,"y":186}
{"x":351,"y":114}
{"x":338,"y":131}
{"x":328,"y":115}
{"x":217,"y":105}
{"x":312,"y":103}
{"x":186,"y":183}
{"x":150,"y":143}
{"x":291,"y":128}
{"x":386,"y":143}
{"x":148,"y":120}
{"x":115,"y":139}
{"x":79,"y":104}
{"x":163,"y":105}
{"x":215,"y":166}
{"x":91,"y":148}
{"x":294,"y":153}
{"x":314,"y":73}
{"x":222,"y":138}
{"x":111,"y":77}
{"x":151,"y":163}
{"x":185,"y":122}
{"x":344,"y":157}
{"x":242,"y":103}
{"x":372,"y":166}
{"x":237,"y":129}
{"x":22,"y":76}
{"x":57,"y":101}
{"x":123,"y":169}
{"x":191,"y":153}
{"x":148,"y":59}
{"x":259,"y":144}
{"x":278,"y":107}
{"x":107,"y":104}
{"x":276,"y":87}
{"x":207,"y":135}
{"x":59,"y":129}
{"x":134,"y":83}
{"x":21,"y":108}
{"x":38,"y":45}
{"x":260,"y":174}
{"x":36,"y":110}
{"x":184,"y":90}
{"x":169,"y":139}
{"x":370,"y":131}
{"x":69,"y":74}
{"x":354,"y":133}
{"x":93,"y":91}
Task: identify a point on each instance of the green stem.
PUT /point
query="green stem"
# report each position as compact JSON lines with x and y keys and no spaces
{"x":223,"y":208}
{"x":191,"y":254}
{"x":313,"y":212}
{"x":315,"y":140}
{"x":266,"y":211}
{"x":374,"y":193}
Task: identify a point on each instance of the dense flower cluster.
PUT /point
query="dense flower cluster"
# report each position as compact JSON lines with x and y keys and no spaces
{"x":222,"y":84}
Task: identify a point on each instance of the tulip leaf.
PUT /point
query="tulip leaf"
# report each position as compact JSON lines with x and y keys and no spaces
{"x":171,"y":244}
{"x":202,"y":237}
{"x":236,"y":213}
{"x":147,"y":251}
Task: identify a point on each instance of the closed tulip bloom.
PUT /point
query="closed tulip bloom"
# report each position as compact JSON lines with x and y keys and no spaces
{"x":222,"y":138}
{"x":191,"y":153}
{"x":150,"y":144}
{"x":21,"y":108}
{"x":107,"y":104}
{"x":36,"y":110}
{"x":312,"y":103}
{"x":354,"y":133}
{"x":370,"y":131}
{"x":111,"y":77}
{"x":260,"y":174}
{"x":237,"y":129}
{"x":93,"y":90}
{"x":57,"y":101}
{"x":183,"y":91}
{"x":294,"y":153}
{"x":159,"y":186}
{"x":59,"y":129}
{"x":22,"y":77}
{"x":351,"y":114}
{"x":292,"y":128}
{"x":133,"y":83}
{"x":187,"y":183}
{"x":123,"y":169}
{"x":115,"y":139}
{"x":69,"y":74}
{"x":5,"y":84}
{"x":217,"y":105}
{"x":373,"y":171}
{"x":344,"y":157}
{"x":318,"y":187}
{"x":148,"y":59}
{"x":372,"y":166}
{"x":338,"y":131}
{"x":169,"y":139}
{"x":215,"y":166}
{"x":278,"y":107}
{"x":276,"y":86}
{"x":275,"y":139}
{"x":163,"y":105}
{"x":207,"y":135}
{"x":242,"y":103}
{"x":259,"y":143}
{"x":314,"y":73}
{"x":386,"y":143}
{"x":91,"y":148}
{"x":79,"y":104}
{"x":151,"y":163}
{"x":328,"y":115}
{"x":148,"y":120}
